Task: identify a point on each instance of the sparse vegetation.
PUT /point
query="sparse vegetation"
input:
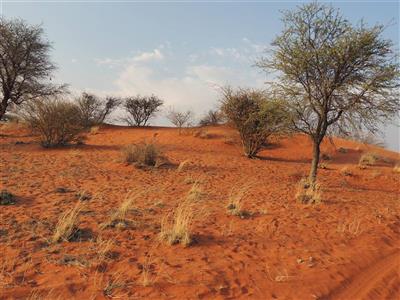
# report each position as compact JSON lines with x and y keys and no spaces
{"x":142,"y":154}
{"x":67,"y":225}
{"x":140,"y":109}
{"x":396,"y":168}
{"x":55,"y":120}
{"x":308,"y":192}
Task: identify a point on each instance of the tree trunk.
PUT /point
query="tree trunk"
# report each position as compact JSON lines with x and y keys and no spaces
{"x":315,"y":161}
{"x":3,"y":108}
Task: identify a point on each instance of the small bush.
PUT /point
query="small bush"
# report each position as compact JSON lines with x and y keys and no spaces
{"x":255,"y":115}
{"x":6,"y":198}
{"x":368,"y":159}
{"x":176,"y":226}
{"x":67,"y":225}
{"x":142,"y":154}
{"x":396,"y":168}
{"x":308,"y":193}
{"x":56,"y":121}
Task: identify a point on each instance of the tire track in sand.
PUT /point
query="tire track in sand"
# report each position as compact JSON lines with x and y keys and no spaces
{"x":380,"y":280}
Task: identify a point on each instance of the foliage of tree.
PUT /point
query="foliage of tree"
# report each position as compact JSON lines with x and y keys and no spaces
{"x":94,"y":110}
{"x":25,"y":66}
{"x":140,"y":109}
{"x":335,"y":75}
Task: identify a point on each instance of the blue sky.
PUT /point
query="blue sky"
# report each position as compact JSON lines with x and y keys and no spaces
{"x":180,"y":51}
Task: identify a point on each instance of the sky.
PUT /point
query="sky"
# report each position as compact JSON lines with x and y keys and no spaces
{"x":182,"y":51}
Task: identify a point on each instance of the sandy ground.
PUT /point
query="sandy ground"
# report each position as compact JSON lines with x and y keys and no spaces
{"x":345,"y":248}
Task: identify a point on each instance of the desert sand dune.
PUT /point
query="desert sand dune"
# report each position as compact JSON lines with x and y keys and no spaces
{"x":347,"y":247}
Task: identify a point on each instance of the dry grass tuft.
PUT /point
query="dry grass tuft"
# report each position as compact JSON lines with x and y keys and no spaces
{"x":368,"y":159}
{"x":235,"y":202}
{"x":119,"y":217}
{"x":142,"y":154}
{"x":104,"y":248}
{"x":67,"y":225}
{"x":195,"y":193}
{"x":346,"y":171}
{"x":116,"y":281}
{"x":182,"y":165}
{"x":176,"y":226}
{"x":396,"y":168}
{"x":308,"y":193}
{"x":94,"y":130}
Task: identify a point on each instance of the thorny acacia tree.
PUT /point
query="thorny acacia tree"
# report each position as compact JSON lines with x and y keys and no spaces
{"x":94,"y":110}
{"x":336,"y":76}
{"x":140,"y":109}
{"x":25,"y":65}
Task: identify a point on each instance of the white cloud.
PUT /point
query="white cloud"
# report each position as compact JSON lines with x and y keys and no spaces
{"x":142,"y":57}
{"x":149,"y":56}
{"x":194,"y":85}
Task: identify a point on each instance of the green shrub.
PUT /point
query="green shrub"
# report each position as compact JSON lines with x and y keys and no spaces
{"x":255,"y":115}
{"x":6,"y":198}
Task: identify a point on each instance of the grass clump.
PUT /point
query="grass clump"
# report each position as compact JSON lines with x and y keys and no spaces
{"x":368,"y":159}
{"x":235,"y":202}
{"x":195,"y":193}
{"x":6,"y":198}
{"x":176,"y":226}
{"x":142,"y":154}
{"x":346,"y":171}
{"x":67,"y":225}
{"x":396,"y":168}
{"x":182,"y":165}
{"x":308,"y":192}
{"x":119,"y":217}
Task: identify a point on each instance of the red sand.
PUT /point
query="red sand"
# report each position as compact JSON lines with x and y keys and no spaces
{"x":345,"y":248}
